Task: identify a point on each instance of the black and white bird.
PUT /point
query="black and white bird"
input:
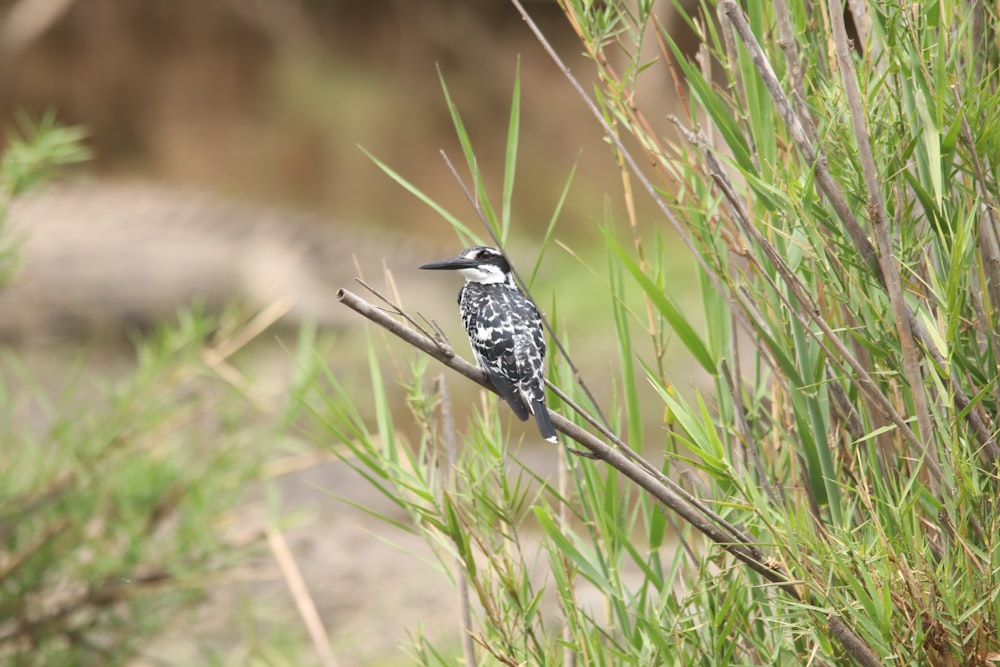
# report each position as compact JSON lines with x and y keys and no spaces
{"x":505,"y":330}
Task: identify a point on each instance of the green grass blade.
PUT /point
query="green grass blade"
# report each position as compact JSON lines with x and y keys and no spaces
{"x":685,"y":332}
{"x":466,"y":234}
{"x":510,"y":163}
{"x":551,"y":227}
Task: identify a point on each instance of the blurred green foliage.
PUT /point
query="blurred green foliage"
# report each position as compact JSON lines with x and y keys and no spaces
{"x":116,"y":496}
{"x":32,"y":155}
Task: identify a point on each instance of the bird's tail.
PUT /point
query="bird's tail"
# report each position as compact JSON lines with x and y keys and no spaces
{"x":545,"y":426}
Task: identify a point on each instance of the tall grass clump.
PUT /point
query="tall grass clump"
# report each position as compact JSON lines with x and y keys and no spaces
{"x":833,"y":498}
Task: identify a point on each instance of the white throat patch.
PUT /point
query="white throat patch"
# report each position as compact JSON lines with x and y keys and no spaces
{"x":486,"y":274}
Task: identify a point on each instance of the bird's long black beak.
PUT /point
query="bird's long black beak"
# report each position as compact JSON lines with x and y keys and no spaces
{"x":450,"y":264}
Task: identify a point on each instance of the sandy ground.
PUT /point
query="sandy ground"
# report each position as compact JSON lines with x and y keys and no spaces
{"x":370,"y":582}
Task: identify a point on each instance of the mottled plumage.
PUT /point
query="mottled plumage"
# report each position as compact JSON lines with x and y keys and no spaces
{"x":505,"y":330}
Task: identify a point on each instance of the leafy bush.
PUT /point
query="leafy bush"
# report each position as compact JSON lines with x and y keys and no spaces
{"x":114,"y":495}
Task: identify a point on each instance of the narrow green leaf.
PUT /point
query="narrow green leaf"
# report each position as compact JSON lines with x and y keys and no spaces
{"x":633,"y":410}
{"x":510,"y":163}
{"x":566,"y":547}
{"x":464,"y":232}
{"x":383,"y":414}
{"x":551,"y":227}
{"x":666,"y":308}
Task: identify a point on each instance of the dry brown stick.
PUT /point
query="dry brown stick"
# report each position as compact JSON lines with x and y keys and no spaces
{"x":877,"y":214}
{"x":833,"y":193}
{"x":858,"y":649}
{"x":989,"y":228}
{"x":217,"y":356}
{"x":13,"y":561}
{"x":744,"y":309}
{"x":854,"y":644}
{"x":70,"y":616}
{"x":737,"y":534}
{"x":647,"y":185}
{"x":740,"y":305}
{"x":786,"y":40}
{"x":799,"y":135}
{"x":461,"y":576}
{"x":300,"y":594}
{"x":805,"y":309}
{"x":25,"y":504}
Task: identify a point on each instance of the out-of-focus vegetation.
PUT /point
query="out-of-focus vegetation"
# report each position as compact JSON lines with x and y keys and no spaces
{"x":832,"y":175}
{"x":32,"y":155}
{"x":269,"y":100}
{"x":118,"y":499}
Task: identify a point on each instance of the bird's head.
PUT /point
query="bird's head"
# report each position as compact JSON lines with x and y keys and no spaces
{"x":478,"y":264}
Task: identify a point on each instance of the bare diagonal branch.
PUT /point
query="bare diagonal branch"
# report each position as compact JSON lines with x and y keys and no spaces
{"x":748,"y":553}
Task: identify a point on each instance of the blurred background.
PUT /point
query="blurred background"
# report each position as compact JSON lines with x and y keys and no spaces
{"x":268,"y":100}
{"x":268,"y":103}
{"x":227,"y":166}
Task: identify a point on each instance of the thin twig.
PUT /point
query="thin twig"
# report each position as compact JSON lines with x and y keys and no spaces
{"x":217,"y":356}
{"x":805,"y":309}
{"x":94,"y":597}
{"x":252,"y":329}
{"x":737,"y":534}
{"x":743,"y":309}
{"x":397,"y":310}
{"x":854,"y":644}
{"x":14,"y":560}
{"x":786,"y":40}
{"x":26,"y":504}
{"x":661,"y":203}
{"x":858,"y":649}
{"x":746,"y":553}
{"x":810,"y":153}
{"x":989,"y":226}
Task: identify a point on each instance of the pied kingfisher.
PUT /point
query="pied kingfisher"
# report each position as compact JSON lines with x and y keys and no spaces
{"x":505,"y":330}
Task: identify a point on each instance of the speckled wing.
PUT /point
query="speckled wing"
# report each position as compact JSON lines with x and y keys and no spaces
{"x":490,"y":323}
{"x":529,"y":347}
{"x":529,"y":354}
